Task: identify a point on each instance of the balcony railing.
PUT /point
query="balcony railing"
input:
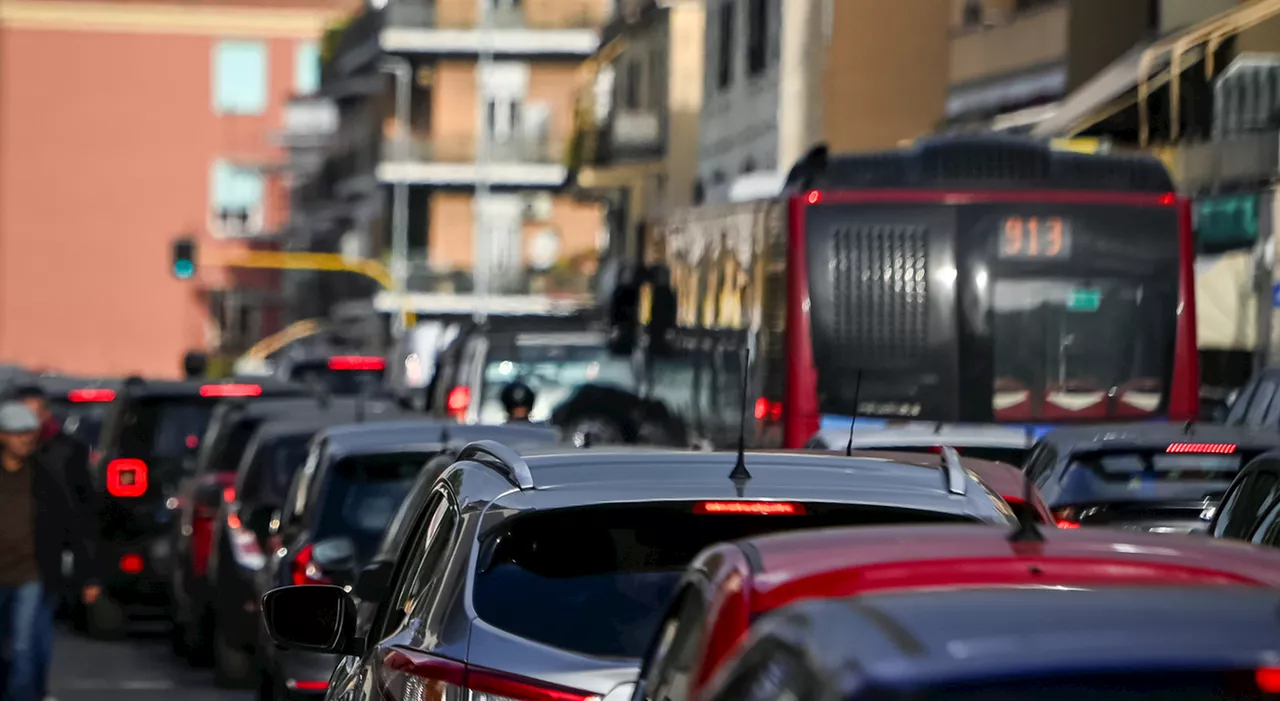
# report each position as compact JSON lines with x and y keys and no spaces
{"x":632,"y":135}
{"x":1036,"y":37}
{"x":466,"y":148}
{"x":425,"y":14}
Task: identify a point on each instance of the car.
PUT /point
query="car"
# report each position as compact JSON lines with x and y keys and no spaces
{"x":1159,"y":477}
{"x":1117,"y":644}
{"x":1248,"y":509}
{"x":1253,"y":405}
{"x":337,"y":509}
{"x":339,"y":374}
{"x":371,"y":584}
{"x":149,"y":437}
{"x":544,"y":574}
{"x":1005,"y":444}
{"x":80,"y":404}
{"x":732,"y":584}
{"x":211,"y":484}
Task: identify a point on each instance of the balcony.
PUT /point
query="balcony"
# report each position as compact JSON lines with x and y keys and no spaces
{"x":423,"y":27}
{"x":1030,"y":39}
{"x":309,"y":123}
{"x":465,"y":159}
{"x":632,"y":135}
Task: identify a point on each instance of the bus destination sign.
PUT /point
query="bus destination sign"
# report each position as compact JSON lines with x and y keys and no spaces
{"x":1035,"y":238}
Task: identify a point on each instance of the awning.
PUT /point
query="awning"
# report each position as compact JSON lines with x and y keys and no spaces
{"x":999,"y":94}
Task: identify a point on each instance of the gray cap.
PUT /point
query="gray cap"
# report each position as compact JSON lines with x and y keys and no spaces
{"x":17,"y":418}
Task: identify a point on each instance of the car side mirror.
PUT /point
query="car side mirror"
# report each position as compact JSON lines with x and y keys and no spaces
{"x":374,"y":580}
{"x":313,"y":617}
{"x":335,"y":554}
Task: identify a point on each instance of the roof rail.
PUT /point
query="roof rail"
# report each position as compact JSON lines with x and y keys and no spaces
{"x":956,"y":479}
{"x":509,"y":463}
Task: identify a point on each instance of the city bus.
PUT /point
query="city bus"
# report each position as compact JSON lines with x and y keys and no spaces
{"x":971,"y":279}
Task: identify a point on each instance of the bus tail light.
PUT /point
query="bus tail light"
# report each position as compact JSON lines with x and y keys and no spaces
{"x":753,"y":508}
{"x":767,"y":410}
{"x":126,"y":478}
{"x":412,"y":675}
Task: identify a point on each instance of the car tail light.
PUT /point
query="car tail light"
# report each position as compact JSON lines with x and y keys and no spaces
{"x":244,"y":543}
{"x":767,"y":410}
{"x":302,"y":685}
{"x":126,"y":478}
{"x":79,"y":396}
{"x":231,"y":390}
{"x":1209,"y":448}
{"x":418,"y":676}
{"x":459,"y":400}
{"x":1268,"y":679}
{"x":1066,"y":518}
{"x":131,"y":564}
{"x":356,"y":362}
{"x":754,"y":508}
{"x":228,"y":494}
{"x":305,"y":571}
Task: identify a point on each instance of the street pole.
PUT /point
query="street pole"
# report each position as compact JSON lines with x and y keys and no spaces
{"x":483,"y":254}
{"x":403,"y":72}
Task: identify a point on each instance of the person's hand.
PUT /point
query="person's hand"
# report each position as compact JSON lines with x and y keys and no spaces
{"x":90,"y":594}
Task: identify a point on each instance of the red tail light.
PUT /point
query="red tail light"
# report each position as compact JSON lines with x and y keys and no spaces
{"x":459,"y":399}
{"x":1063,"y":523}
{"x":754,"y":508}
{"x":766,"y":409}
{"x":1268,"y":679}
{"x":356,"y":362}
{"x":1066,"y":518}
{"x":305,"y":571}
{"x":244,"y":544}
{"x":126,"y":478}
{"x":1209,"y":448}
{"x":228,"y":494}
{"x":79,"y":396}
{"x":412,"y":674}
{"x":231,"y":391}
{"x":300,"y":685}
{"x":131,"y":564}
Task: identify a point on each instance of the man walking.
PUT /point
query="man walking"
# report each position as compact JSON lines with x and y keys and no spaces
{"x":38,"y":519}
{"x":60,"y":451}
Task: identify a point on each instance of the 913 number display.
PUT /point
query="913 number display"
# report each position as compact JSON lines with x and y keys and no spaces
{"x":1035,"y":238}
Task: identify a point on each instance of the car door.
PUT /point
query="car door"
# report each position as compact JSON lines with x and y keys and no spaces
{"x":1247,"y":499}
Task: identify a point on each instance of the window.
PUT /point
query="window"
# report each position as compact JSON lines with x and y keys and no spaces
{"x":306,"y":69}
{"x":679,"y":641}
{"x":1261,"y":400}
{"x":972,"y":13}
{"x":632,"y":84}
{"x":420,"y":566}
{"x":757,"y":36}
{"x":1242,"y":507}
{"x":363,"y":495}
{"x":240,"y":77}
{"x":502,"y":119}
{"x":235,"y":190}
{"x":724,"y":66}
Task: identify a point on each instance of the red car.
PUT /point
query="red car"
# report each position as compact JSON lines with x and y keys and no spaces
{"x":1003,"y":479}
{"x":730,"y":585}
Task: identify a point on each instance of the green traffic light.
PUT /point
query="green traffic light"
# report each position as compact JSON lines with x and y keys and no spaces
{"x":184,"y":269}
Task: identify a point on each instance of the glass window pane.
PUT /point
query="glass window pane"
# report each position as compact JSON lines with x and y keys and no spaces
{"x":306,"y":69}
{"x":240,"y":77}
{"x":235,"y":188}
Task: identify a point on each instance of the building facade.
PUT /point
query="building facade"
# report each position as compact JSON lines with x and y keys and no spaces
{"x":455,"y":119}
{"x":122,"y":126}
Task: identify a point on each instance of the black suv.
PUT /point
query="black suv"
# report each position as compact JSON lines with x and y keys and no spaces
{"x":149,"y":437}
{"x":545,"y":575}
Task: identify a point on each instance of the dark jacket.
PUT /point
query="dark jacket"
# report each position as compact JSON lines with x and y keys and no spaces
{"x":70,"y":457}
{"x":59,"y":525}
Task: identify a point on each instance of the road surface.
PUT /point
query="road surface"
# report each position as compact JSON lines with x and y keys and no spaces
{"x":139,"y":668}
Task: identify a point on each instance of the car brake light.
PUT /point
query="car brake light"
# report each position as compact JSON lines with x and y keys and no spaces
{"x":305,"y":571}
{"x":417,"y":674}
{"x":131,"y":564}
{"x":228,"y":494}
{"x":1268,"y":679}
{"x":356,"y":362}
{"x":301,"y":685}
{"x":231,"y":390}
{"x":1066,"y":518}
{"x":1063,"y":523}
{"x":766,"y":409}
{"x":755,"y":508}
{"x":126,"y":478}
{"x":1209,"y":448}
{"x":459,"y":399}
{"x":79,"y":396}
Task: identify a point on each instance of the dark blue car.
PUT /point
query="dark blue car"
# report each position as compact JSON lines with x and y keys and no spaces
{"x":1048,"y":644}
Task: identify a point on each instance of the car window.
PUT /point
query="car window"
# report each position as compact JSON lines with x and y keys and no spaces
{"x":296,"y":502}
{"x":1268,"y":529}
{"x":1249,"y":497}
{"x":769,"y":672}
{"x":274,"y":465}
{"x":675,"y":653}
{"x":363,"y":494}
{"x":1261,"y":402}
{"x":420,"y":561}
{"x":1156,"y":467}
{"x":597,"y":580}
{"x":164,"y":429}
{"x":552,"y":372}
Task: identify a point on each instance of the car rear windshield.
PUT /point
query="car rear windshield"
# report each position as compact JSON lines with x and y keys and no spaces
{"x":595,"y":580}
{"x":165,"y":429}
{"x":363,"y":495}
{"x":338,"y":382}
{"x":552,"y":372}
{"x":275,"y":467}
{"x":1172,"y":685}
{"x":1157,"y":467}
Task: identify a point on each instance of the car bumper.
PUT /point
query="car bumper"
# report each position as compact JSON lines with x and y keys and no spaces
{"x":304,"y":674}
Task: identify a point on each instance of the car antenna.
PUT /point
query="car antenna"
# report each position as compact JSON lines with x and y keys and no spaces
{"x":1027,"y":531}
{"x":857,"y":389}
{"x":444,"y":435}
{"x":739,"y":472}
{"x":1186,"y":428}
{"x":361,"y":397}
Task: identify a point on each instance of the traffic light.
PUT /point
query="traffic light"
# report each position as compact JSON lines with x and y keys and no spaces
{"x":184,"y":258}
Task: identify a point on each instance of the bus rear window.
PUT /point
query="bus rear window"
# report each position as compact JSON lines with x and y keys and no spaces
{"x":595,"y":580}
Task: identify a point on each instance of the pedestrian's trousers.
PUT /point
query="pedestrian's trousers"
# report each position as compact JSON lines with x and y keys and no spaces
{"x":26,"y":632}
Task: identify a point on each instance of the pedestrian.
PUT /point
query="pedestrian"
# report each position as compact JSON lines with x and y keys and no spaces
{"x":38,"y":519}
{"x":61,"y":450}
{"x":517,"y":400}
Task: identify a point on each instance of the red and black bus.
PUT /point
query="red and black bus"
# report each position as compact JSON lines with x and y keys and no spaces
{"x":970,"y":279}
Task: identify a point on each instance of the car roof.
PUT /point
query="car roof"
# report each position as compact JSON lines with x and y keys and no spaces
{"x":573,"y":477}
{"x":955,"y":435}
{"x":292,"y":406}
{"x":979,"y":635}
{"x":791,"y":556}
{"x":1144,"y":436}
{"x":377,"y":437}
{"x":307,"y":426}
